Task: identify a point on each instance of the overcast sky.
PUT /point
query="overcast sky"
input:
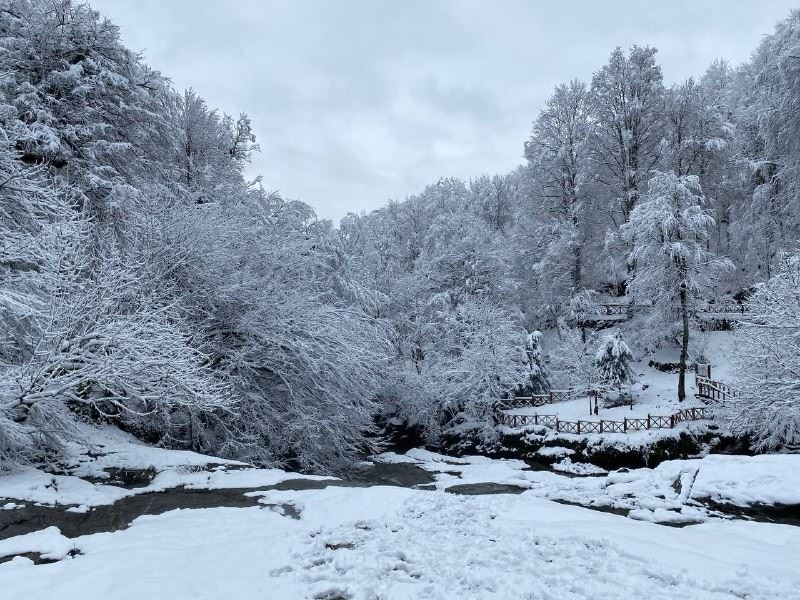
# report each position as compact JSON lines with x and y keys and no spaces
{"x":356,"y":102}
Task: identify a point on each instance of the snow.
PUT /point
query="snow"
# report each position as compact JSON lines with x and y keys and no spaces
{"x":116,"y":450}
{"x":112,"y":448}
{"x":391,"y":542}
{"x":48,"y":542}
{"x":675,"y":491}
{"x":555,"y":451}
{"x":385,"y":542}
{"x":746,"y":480}
{"x":654,"y":394}
{"x":244,"y":478}
{"x":34,"y":485}
{"x":577,"y":468}
{"x":466,"y":469}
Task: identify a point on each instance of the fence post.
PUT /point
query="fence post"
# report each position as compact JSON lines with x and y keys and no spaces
{"x":558,"y":425}
{"x":579,"y":427}
{"x":648,"y":421}
{"x":601,"y":425}
{"x":672,"y":421}
{"x":625,"y":424}
{"x":536,"y":419}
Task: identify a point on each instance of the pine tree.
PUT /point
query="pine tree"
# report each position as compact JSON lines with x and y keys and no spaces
{"x":538,"y":374}
{"x":613,"y":360}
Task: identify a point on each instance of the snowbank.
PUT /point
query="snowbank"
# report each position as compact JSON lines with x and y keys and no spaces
{"x":385,"y":542}
{"x":747,"y":480}
{"x":114,"y":450}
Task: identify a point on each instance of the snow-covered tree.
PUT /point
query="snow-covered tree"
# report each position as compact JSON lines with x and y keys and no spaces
{"x":37,"y":225}
{"x":628,"y":105}
{"x":492,"y":200}
{"x":572,"y":360}
{"x":766,"y":406}
{"x":558,"y":150}
{"x":92,"y":109}
{"x":668,"y":230}
{"x":538,"y":375}
{"x":582,"y":306}
{"x":304,"y":363}
{"x":473,"y":363}
{"x":145,"y":282}
{"x":210,"y":150}
{"x":461,"y":258}
{"x":613,"y":362}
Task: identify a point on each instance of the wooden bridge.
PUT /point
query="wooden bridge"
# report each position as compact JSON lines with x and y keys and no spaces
{"x":608,"y":312}
{"x":605,"y":312}
{"x":710,"y":391}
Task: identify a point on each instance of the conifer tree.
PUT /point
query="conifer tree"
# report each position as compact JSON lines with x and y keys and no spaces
{"x":538,"y":374}
{"x":613,"y":362}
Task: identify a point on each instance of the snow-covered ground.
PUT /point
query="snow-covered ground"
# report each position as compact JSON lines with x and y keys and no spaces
{"x":674,"y":492}
{"x":391,"y":542}
{"x":83,"y":483}
{"x":385,"y":542}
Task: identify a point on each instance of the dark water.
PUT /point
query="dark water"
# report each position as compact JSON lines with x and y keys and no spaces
{"x":120,"y":514}
{"x":786,"y":514}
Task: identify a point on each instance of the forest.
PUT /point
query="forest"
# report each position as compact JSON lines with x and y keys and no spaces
{"x":147,"y":283}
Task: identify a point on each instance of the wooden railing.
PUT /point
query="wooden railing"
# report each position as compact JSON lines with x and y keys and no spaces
{"x":614,"y":309}
{"x":625,"y":309}
{"x":603,"y":311}
{"x":604,"y":425}
{"x":709,"y":390}
{"x":561,"y":395}
{"x":536,"y":400}
{"x":724,"y":307}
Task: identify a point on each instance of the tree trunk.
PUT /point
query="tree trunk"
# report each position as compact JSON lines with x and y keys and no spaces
{"x":578,"y":259}
{"x":684,"y":345}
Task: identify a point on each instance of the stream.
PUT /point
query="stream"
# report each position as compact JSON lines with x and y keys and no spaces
{"x":120,"y":514}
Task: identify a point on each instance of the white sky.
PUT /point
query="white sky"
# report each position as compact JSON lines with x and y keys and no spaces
{"x":357,"y":101}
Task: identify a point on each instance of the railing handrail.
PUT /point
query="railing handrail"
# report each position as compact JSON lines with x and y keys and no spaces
{"x":606,"y":425}
{"x":718,"y":389}
{"x":610,"y":309}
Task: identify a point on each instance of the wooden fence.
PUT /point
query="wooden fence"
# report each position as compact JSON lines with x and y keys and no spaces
{"x":603,"y":425}
{"x":536,"y":400}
